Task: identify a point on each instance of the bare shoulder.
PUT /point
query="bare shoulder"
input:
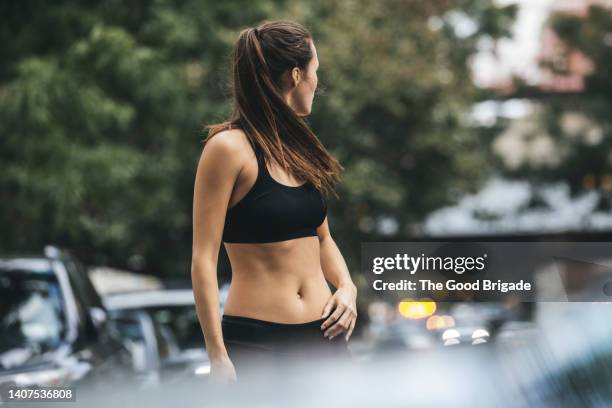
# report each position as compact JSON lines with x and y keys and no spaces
{"x":229,"y":148}
{"x":231,"y":141}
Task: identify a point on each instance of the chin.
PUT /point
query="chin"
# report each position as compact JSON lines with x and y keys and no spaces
{"x":304,"y":111}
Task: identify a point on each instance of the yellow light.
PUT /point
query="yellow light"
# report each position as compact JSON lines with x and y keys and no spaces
{"x":416,"y":310}
{"x":434,"y":323}
{"x":437,"y":322}
{"x":448,"y":321}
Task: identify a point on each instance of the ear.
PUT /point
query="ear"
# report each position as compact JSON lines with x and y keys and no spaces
{"x":296,"y":76}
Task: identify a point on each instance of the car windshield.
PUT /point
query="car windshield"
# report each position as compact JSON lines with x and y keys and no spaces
{"x":31,"y":311}
{"x":179,"y":328}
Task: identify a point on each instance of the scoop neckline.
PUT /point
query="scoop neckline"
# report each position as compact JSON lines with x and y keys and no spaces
{"x":281,"y":184}
{"x":285,"y":185}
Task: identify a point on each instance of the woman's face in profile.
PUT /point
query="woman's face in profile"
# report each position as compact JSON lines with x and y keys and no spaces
{"x":301,"y":97}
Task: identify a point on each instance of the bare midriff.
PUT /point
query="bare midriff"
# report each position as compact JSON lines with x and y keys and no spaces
{"x":278,"y":281}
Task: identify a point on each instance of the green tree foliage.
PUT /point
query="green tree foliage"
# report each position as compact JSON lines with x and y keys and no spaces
{"x":102,"y":106}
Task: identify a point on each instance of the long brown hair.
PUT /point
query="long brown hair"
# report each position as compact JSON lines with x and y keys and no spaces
{"x":261,"y":56}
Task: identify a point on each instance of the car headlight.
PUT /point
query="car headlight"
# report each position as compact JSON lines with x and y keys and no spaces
{"x":202,"y":370}
{"x":451,"y":334}
{"x":480,"y":333}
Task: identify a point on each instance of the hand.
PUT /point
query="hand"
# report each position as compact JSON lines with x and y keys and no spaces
{"x":222,"y":370}
{"x":345,"y":313}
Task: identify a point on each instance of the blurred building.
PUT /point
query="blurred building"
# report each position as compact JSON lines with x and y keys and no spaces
{"x":538,"y":60}
{"x":558,"y":69}
{"x":573,"y":62}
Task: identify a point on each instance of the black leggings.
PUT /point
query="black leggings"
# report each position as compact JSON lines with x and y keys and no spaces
{"x":254,"y":343}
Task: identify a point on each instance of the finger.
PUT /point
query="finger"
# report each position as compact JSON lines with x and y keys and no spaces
{"x":348,"y":313}
{"x":335,"y":316}
{"x":341,"y":325}
{"x":349,"y":333}
{"x":328,"y":307}
{"x":335,"y":330}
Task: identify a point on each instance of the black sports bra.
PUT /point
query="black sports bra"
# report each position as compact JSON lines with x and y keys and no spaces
{"x":272,"y":212}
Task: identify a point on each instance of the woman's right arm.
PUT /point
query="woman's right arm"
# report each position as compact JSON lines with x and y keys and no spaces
{"x":218,"y":168}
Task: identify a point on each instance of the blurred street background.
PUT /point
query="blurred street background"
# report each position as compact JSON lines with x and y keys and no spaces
{"x":454,"y":120}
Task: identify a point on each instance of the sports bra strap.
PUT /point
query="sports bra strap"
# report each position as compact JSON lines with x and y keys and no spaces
{"x":261,"y":164}
{"x":258,"y":153}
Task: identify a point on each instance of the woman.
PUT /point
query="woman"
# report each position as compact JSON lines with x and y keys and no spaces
{"x":260,"y":188}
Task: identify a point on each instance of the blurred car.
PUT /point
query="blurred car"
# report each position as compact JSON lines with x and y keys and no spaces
{"x":162,"y":330}
{"x":472,"y":323}
{"x":53,"y":325}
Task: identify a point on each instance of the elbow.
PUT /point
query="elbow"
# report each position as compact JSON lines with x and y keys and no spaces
{"x":202,"y":267}
{"x":327,"y":238}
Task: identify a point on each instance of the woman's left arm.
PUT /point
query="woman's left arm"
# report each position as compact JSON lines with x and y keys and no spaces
{"x":344,"y":300}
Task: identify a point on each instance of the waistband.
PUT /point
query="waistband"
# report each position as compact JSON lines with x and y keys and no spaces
{"x":270,"y":324}
{"x":241,"y":332}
